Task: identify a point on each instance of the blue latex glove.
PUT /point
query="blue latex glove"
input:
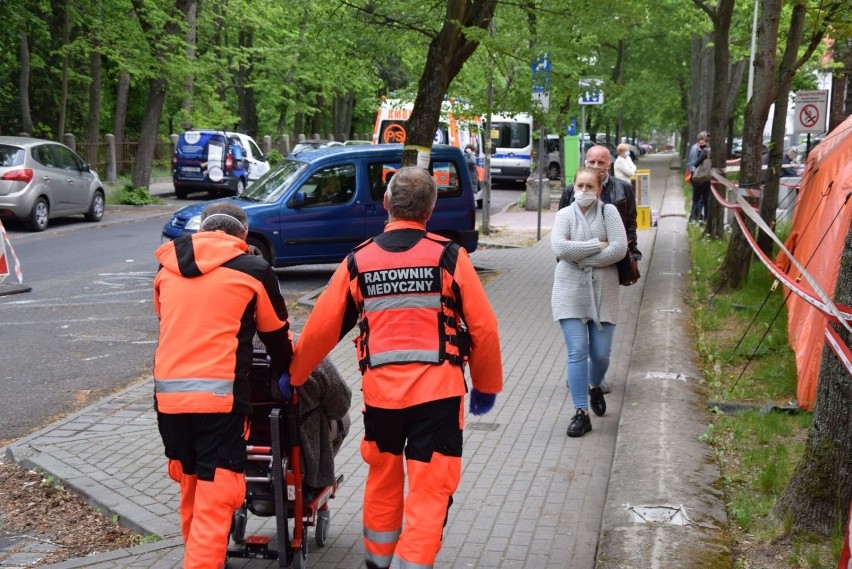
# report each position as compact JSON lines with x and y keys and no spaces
{"x":481,"y":403}
{"x":284,"y":385}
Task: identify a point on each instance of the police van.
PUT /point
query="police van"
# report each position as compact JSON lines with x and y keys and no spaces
{"x":317,"y":206}
{"x":511,"y":138}
{"x":216,"y":161}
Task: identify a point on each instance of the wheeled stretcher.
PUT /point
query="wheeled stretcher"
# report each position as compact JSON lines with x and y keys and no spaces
{"x":274,"y":480}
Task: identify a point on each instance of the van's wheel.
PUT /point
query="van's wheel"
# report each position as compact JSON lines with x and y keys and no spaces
{"x":258,"y":247}
{"x":180,"y":193}
{"x":96,"y":210}
{"x":323,"y":523}
{"x":39,"y":215}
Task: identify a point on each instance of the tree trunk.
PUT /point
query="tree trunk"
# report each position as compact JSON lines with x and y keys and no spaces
{"x":245,"y":92}
{"x":841,"y":89}
{"x":93,"y":130}
{"x":738,"y":257}
{"x":148,"y":135}
{"x":63,"y":88}
{"x":786,"y":72}
{"x":718,"y":118}
{"x":818,"y":494}
{"x":24,"y":84}
{"x":447,"y":53}
{"x":189,"y":80}
{"x":121,"y":95}
{"x":147,"y":145}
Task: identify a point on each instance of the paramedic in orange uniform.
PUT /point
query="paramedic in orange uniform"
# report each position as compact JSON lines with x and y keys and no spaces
{"x":422,"y":316}
{"x":211,"y":296}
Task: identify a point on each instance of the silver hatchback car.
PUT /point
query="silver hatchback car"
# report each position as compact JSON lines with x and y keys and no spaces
{"x":41,"y":180}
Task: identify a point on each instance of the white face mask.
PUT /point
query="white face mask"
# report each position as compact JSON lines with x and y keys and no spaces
{"x":585,"y":199}
{"x":625,"y":154}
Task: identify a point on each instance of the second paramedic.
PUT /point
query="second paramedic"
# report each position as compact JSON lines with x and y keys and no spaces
{"x":422,"y":316}
{"x":211,"y":296}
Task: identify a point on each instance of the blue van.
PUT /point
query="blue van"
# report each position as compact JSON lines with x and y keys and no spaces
{"x":212,"y":161}
{"x":315,"y":207}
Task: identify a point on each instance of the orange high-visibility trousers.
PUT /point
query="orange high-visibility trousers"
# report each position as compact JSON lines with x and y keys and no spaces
{"x":209,"y":521}
{"x":383,"y":504}
{"x":187,"y":495}
{"x":430,"y":437}
{"x":430,"y":493}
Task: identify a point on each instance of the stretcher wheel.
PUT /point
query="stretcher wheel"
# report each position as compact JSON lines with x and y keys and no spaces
{"x":238,"y":526}
{"x":321,"y":531}
{"x":300,"y":557}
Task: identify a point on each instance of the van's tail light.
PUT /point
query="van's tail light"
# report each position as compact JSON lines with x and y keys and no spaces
{"x":229,"y":162}
{"x":22,"y":175}
{"x":174,"y":161}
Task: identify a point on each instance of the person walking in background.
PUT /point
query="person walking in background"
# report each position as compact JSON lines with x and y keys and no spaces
{"x":588,"y":238}
{"x":624,"y":167}
{"x":470,"y":159}
{"x":615,"y":191}
{"x":701,"y":149}
{"x":422,"y":316}
{"x":202,"y":394}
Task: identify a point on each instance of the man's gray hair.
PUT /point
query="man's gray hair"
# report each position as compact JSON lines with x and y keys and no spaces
{"x":411,"y":194}
{"x":224,"y":216}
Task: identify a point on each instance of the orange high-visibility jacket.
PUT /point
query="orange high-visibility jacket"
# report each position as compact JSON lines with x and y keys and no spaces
{"x":399,"y":360}
{"x":211,"y":297}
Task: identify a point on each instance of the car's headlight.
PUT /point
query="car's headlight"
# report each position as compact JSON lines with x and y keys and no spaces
{"x":194,"y":223}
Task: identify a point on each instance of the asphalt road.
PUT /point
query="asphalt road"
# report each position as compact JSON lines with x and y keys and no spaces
{"x":88,"y":328}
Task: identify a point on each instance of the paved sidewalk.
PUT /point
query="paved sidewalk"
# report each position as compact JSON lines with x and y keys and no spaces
{"x":530,"y":496}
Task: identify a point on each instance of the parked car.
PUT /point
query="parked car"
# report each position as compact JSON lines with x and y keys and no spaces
{"x":42,"y":180}
{"x":315,"y":207}
{"x":216,"y":161}
{"x":306,"y":145}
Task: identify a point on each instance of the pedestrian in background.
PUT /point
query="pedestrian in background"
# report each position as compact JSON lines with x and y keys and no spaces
{"x":615,"y":191}
{"x":470,"y":159}
{"x":211,"y":297}
{"x":422,"y":316}
{"x":624,"y":167}
{"x":701,"y":149}
{"x":588,"y":238}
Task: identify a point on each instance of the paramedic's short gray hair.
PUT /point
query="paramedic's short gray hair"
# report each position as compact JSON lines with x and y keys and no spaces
{"x":411,"y":194}
{"x":225,"y":217}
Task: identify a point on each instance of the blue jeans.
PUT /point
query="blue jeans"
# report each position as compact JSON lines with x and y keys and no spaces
{"x":588,"y":356}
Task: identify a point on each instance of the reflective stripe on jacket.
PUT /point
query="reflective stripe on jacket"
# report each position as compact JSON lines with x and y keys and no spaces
{"x":211,"y":297}
{"x":396,"y":386}
{"x":404,"y":316}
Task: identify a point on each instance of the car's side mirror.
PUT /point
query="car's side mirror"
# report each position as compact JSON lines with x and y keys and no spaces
{"x":297,"y":201}
{"x":493,"y":150}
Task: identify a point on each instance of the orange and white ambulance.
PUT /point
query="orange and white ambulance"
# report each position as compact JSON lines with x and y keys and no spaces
{"x":454,"y":129}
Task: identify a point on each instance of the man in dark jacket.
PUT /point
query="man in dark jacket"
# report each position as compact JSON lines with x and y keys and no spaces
{"x":617,"y":192}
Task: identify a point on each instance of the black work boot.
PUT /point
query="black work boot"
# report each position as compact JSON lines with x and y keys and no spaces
{"x":597,"y":401}
{"x":580,"y":424}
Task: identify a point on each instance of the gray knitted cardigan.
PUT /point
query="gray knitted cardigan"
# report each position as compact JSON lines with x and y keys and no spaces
{"x":323,"y":398}
{"x":585,"y":282}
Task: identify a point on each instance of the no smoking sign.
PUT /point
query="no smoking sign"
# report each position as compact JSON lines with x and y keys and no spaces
{"x":810,"y":111}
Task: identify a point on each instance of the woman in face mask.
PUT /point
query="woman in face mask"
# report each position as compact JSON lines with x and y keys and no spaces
{"x":624,"y":167}
{"x":588,"y":238}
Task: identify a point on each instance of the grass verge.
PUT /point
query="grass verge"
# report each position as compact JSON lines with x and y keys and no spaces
{"x":757,"y":433}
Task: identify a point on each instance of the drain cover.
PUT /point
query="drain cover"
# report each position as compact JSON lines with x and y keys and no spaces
{"x":675,"y":515}
{"x":482,"y":426}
